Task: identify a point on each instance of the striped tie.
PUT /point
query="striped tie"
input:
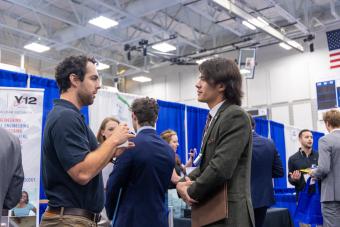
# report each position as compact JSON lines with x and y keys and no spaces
{"x":207,"y":123}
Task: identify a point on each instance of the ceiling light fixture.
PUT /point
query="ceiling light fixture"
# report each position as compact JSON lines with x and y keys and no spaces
{"x":244,"y":71}
{"x":163,"y":47}
{"x":103,"y":22}
{"x":231,"y":7}
{"x":258,"y":22}
{"x":249,"y":25}
{"x":285,"y":46}
{"x":200,"y":61}
{"x":37,"y":47}
{"x":102,"y":66}
{"x":263,"y":21}
{"x":142,"y":79}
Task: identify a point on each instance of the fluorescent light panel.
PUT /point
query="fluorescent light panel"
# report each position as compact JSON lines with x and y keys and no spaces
{"x":262,"y":21}
{"x":141,"y":79}
{"x":249,"y":25}
{"x":285,"y":46}
{"x":102,"y":66}
{"x":200,"y":61}
{"x":230,"y":6}
{"x":37,"y":47}
{"x":258,"y":22}
{"x":103,"y":22}
{"x":244,"y":71}
{"x":164,"y":47}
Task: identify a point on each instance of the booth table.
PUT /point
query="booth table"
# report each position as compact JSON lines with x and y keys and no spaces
{"x":278,"y":217}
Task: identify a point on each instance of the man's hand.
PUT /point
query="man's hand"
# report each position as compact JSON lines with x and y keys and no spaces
{"x":121,"y":134}
{"x":310,"y":172}
{"x":296,"y":175}
{"x":182,"y":189}
{"x":174,"y":177}
{"x":192,"y":154}
{"x":120,"y":150}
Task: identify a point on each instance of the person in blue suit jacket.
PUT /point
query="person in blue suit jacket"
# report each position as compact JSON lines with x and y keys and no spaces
{"x":265,"y":165}
{"x":136,"y":188}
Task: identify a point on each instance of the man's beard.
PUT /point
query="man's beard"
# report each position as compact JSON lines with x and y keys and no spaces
{"x":86,"y":100}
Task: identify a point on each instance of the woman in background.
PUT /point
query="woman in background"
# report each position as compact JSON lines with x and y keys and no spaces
{"x":105,"y":131}
{"x":170,"y":136}
{"x":106,"y":128}
{"x":24,"y":207}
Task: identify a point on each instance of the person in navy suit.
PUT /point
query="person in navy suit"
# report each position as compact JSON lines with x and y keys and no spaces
{"x":265,"y":165}
{"x":136,"y":188}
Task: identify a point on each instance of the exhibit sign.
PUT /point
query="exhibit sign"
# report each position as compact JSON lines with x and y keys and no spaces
{"x":21,"y":111}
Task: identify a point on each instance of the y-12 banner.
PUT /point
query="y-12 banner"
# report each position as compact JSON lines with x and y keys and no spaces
{"x":21,"y":112}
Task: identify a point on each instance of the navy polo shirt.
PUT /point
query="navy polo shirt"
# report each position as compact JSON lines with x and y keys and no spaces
{"x":67,"y":141}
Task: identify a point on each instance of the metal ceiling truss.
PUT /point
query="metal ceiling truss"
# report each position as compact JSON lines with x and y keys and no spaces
{"x":201,"y":28}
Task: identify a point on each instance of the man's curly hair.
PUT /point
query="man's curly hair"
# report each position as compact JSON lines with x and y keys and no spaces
{"x":71,"y":65}
{"x":146,"y":111}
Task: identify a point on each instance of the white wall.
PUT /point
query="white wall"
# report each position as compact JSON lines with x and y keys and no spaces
{"x":284,"y":82}
{"x":171,"y":83}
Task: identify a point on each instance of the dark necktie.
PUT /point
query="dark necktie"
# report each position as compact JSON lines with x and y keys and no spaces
{"x":207,"y":123}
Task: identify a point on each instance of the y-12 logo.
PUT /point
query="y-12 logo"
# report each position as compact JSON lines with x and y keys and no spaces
{"x":26,"y":100}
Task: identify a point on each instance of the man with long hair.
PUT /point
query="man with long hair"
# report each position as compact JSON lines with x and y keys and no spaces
{"x":226,"y":148}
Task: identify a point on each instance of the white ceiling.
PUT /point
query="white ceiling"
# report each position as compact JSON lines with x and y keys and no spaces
{"x":194,"y":26}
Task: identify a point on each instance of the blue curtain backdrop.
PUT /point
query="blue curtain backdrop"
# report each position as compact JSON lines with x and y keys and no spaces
{"x":51,"y":92}
{"x":196,"y":118}
{"x":12,"y":79}
{"x":316,"y":137}
{"x":171,"y":116}
{"x":261,"y":126}
{"x":278,"y":136}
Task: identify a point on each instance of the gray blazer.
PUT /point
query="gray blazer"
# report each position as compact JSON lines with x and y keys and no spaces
{"x":329,"y":166}
{"x":227,"y":153}
{"x":11,"y":171}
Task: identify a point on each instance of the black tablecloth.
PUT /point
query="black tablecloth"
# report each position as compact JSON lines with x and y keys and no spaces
{"x":276,"y":217}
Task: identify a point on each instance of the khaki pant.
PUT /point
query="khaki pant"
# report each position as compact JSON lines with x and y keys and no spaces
{"x":56,"y":220}
{"x":304,"y":225}
{"x":307,"y":225}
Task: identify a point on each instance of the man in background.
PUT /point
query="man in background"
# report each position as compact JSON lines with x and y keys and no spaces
{"x":71,"y":160}
{"x":328,"y":170}
{"x":11,"y":171}
{"x":265,"y":165}
{"x":304,"y":158}
{"x":142,"y":173}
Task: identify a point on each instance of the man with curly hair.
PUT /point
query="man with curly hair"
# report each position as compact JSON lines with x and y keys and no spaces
{"x":72,"y":161}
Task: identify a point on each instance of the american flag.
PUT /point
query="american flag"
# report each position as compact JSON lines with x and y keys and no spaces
{"x":333,"y":39}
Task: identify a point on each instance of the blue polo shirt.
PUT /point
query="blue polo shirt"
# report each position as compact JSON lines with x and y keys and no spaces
{"x":67,"y":141}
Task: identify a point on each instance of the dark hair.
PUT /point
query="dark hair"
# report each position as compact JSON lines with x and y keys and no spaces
{"x":332,"y":117}
{"x":223,"y":71}
{"x":100,"y":137}
{"x":302,"y":131}
{"x":146,"y":111}
{"x":27,"y":201}
{"x":71,"y":65}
